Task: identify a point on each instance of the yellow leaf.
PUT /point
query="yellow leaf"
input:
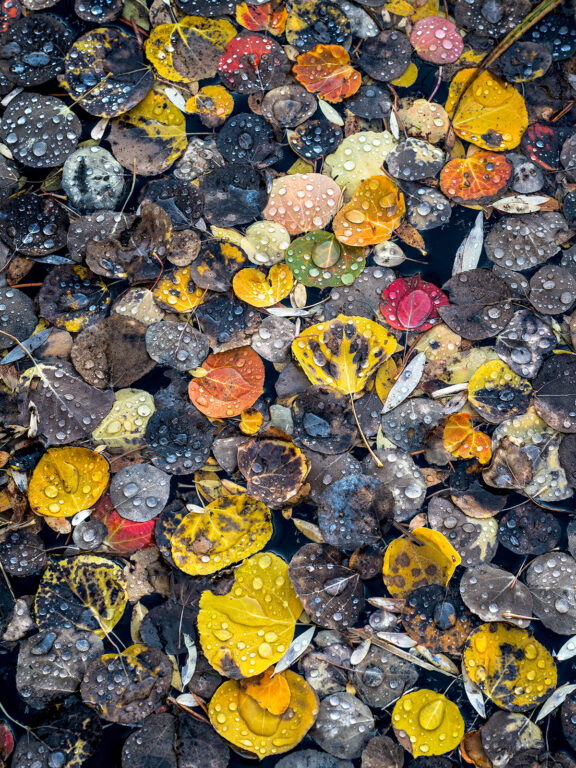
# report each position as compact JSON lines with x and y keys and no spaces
{"x":260,"y":290}
{"x":492,"y":114}
{"x":189,"y":50}
{"x":250,"y":421}
{"x":239,"y":718}
{"x":247,"y":630}
{"x":408,"y":77}
{"x":231,"y":528}
{"x":86,"y":590}
{"x":427,"y":723}
{"x":177,"y":293}
{"x":343,"y":353}
{"x":385,"y":378}
{"x":124,"y":428}
{"x":424,"y":557}
{"x":67,"y":480}
{"x":509,"y":666}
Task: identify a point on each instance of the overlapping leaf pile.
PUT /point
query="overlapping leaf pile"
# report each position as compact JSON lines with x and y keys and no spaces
{"x":287,"y":383}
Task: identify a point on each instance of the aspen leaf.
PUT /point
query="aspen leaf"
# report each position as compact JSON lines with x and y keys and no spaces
{"x":267,"y":17}
{"x":374,"y":212}
{"x":86,"y":590}
{"x":463,"y":441}
{"x":424,"y":557}
{"x":230,"y":529}
{"x":260,"y":290}
{"x":427,"y":723}
{"x":237,"y":713}
{"x":477,"y":179}
{"x":498,"y":393}
{"x":232,"y":382}
{"x":326,"y":70}
{"x":343,"y":353}
{"x":271,"y":691}
{"x":491,"y":114}
{"x":67,"y":480}
{"x":245,"y":631}
{"x":509,"y":666}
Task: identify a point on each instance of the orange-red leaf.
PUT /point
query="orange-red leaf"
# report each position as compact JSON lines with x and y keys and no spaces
{"x":475,"y":180}
{"x":463,"y":441}
{"x":233,"y":382}
{"x":271,"y":692}
{"x":326,"y":70}
{"x":269,"y":17}
{"x":124,"y":536}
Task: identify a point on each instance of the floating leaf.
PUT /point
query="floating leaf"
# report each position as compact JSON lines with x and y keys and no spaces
{"x":150,"y":137}
{"x":412,"y":304}
{"x":424,"y":557}
{"x":476,"y":180}
{"x":497,"y":393}
{"x":297,"y":647}
{"x":232,"y":382}
{"x":123,"y":536}
{"x":470,"y":250}
{"x":372,"y":215}
{"x":326,"y":70}
{"x":302,"y":202}
{"x":244,"y":632}
{"x":213,"y":104}
{"x":136,"y":682}
{"x":267,"y":17}
{"x":463,"y":441}
{"x":274,"y":468}
{"x":177,"y":292}
{"x":427,"y":723}
{"x":358,"y":157}
{"x":85,"y":591}
{"x":260,"y":290}
{"x":491,"y":113}
{"x":343,"y":353}
{"x":511,"y":668}
{"x":230,"y":529}
{"x":236,"y":712}
{"x":67,"y":480}
{"x":319,"y":260}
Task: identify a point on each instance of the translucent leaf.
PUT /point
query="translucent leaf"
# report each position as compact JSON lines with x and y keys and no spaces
{"x":302,"y":202}
{"x":326,"y":70}
{"x":475,"y":180}
{"x":232,"y":381}
{"x":463,"y":441}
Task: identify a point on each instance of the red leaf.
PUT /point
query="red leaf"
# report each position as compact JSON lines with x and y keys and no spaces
{"x":124,"y":536}
{"x":412,"y":304}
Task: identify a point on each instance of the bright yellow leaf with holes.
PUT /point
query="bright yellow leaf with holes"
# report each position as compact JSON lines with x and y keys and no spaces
{"x":261,"y":290}
{"x":245,"y":717}
{"x":491,"y":114}
{"x":509,"y":666}
{"x":418,"y":559}
{"x":247,"y":630}
{"x":344,"y":352}
{"x":427,"y":723}
{"x":67,"y":480}
{"x":231,"y":528}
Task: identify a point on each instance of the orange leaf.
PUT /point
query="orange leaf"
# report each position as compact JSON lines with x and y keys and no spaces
{"x":269,"y":17}
{"x":233,"y":382}
{"x":477,"y":179}
{"x":372,"y":215}
{"x":271,"y":693}
{"x":326,"y":70}
{"x":464,"y":442}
